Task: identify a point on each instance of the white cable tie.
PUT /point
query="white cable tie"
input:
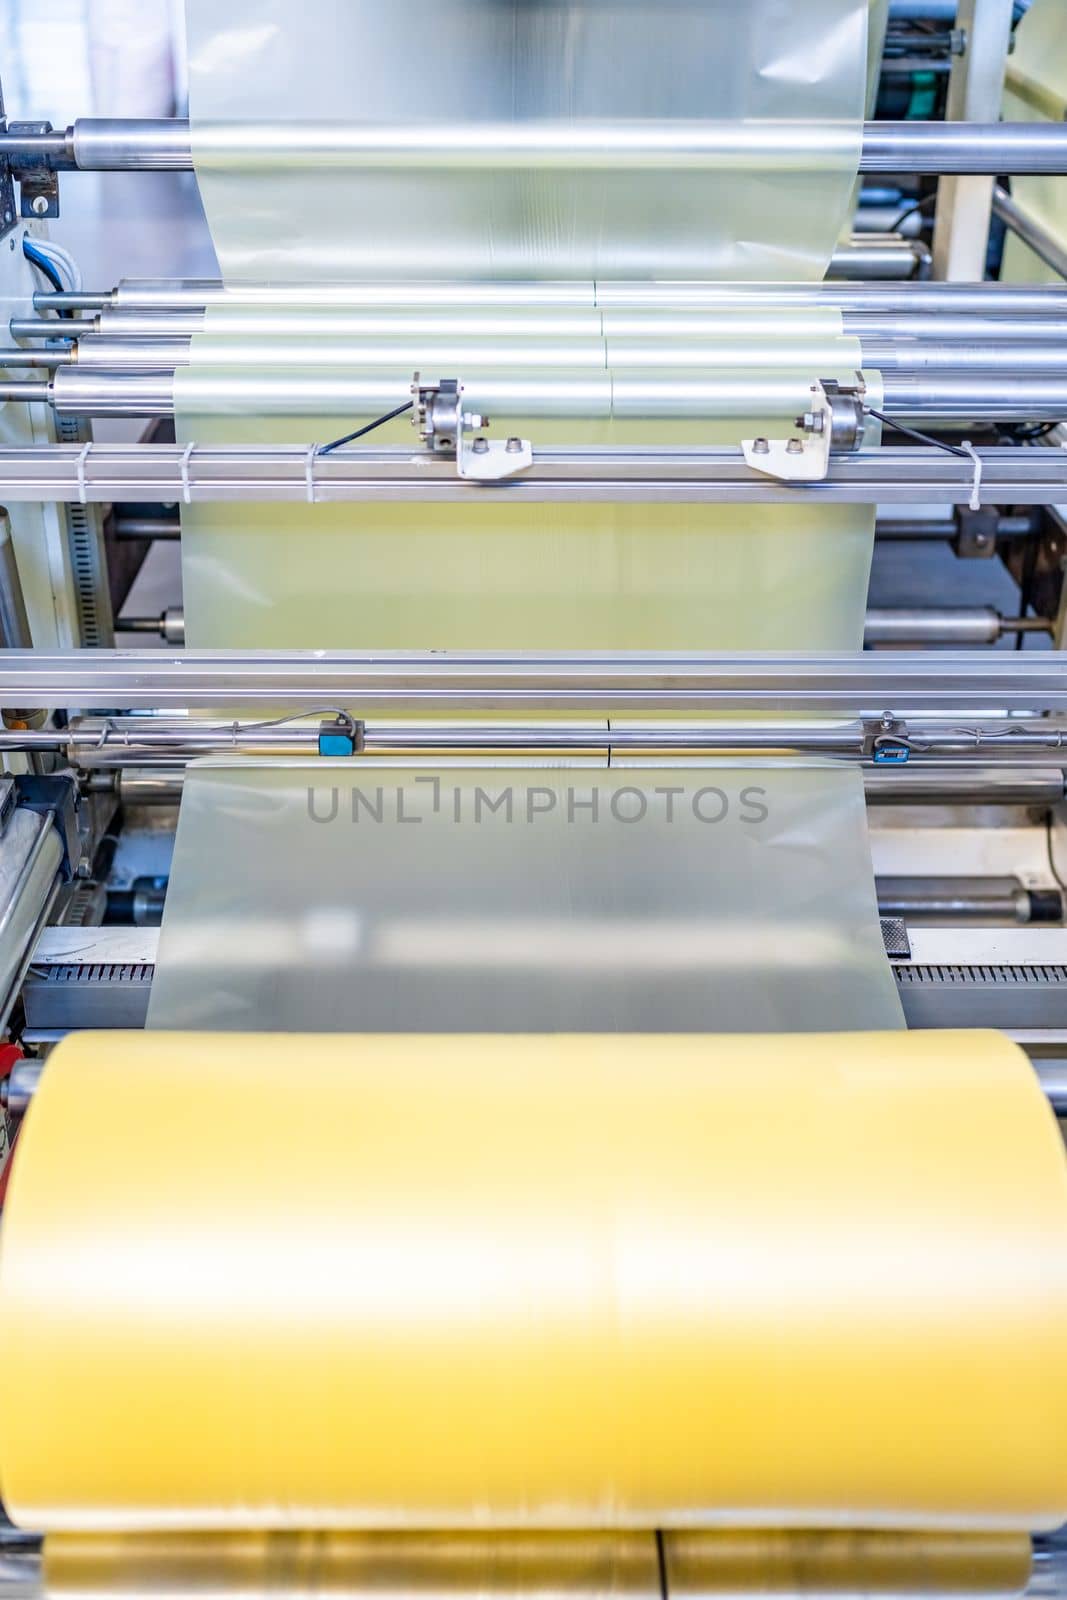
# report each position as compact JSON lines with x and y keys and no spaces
{"x":309,"y":472}
{"x":976,"y":483}
{"x":187,"y":492}
{"x":83,"y":492}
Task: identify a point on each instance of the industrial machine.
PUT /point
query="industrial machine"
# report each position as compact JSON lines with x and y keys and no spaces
{"x":955,"y":711}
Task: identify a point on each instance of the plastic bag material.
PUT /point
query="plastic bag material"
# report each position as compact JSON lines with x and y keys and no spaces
{"x":335,"y":897}
{"x":529,"y":138}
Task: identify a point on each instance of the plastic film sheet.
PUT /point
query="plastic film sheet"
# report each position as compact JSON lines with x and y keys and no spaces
{"x":1037,"y":92}
{"x":459,"y":1566}
{"x":530,"y":138}
{"x":469,"y":322}
{"x":624,"y":576}
{"x":327,"y":897}
{"x":386,"y":1281}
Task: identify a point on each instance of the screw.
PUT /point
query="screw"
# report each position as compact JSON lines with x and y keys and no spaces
{"x":794,"y":447}
{"x":39,"y":205}
{"x":761,"y":447}
{"x":481,"y":446}
{"x":514,"y":446}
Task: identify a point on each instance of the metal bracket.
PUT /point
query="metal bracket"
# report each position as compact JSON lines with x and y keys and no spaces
{"x":886,"y":742}
{"x":833,"y":422}
{"x":38,"y":181}
{"x":7,"y":186}
{"x":448,"y":430}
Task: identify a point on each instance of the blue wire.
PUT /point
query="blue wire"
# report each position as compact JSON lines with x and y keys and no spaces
{"x":43,"y":264}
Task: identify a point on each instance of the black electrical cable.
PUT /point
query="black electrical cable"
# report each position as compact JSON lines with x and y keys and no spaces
{"x":920,"y":205}
{"x":379,"y":422}
{"x":913,"y":433}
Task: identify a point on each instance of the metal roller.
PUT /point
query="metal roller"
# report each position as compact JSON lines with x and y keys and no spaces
{"x":142,"y":144}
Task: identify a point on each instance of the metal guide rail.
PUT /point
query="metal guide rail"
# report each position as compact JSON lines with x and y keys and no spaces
{"x":882,"y":688}
{"x":949,"y":752}
{"x":132,"y":473}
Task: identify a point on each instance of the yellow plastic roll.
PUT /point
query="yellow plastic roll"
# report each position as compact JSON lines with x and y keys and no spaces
{"x":435,"y":1566}
{"x":714,"y":1566}
{"x":365,"y":1281}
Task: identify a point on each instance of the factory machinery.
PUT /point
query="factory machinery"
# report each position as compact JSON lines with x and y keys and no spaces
{"x":962,"y":743}
{"x":956,"y":710}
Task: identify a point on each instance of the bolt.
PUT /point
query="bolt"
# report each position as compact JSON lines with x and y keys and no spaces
{"x":761,"y":447}
{"x":481,"y":446}
{"x":514,"y":446}
{"x":39,"y":205}
{"x":795,"y":447}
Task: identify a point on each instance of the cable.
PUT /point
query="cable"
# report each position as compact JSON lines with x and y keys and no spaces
{"x":920,"y":205}
{"x":913,"y":433}
{"x":43,"y":264}
{"x":369,"y":427}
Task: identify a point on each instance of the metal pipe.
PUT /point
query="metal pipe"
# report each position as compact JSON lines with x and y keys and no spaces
{"x":10,"y":359}
{"x":1015,"y":216}
{"x":528,"y":349}
{"x":147,"y":527}
{"x":950,"y":901}
{"x":959,"y":626}
{"x":956,"y":683}
{"x":1034,"y":787}
{"x":946,"y":625}
{"x":890,"y":529}
{"x":169,"y":625}
{"x":931,"y":785}
{"x":907,"y":529}
{"x":19,"y":1087}
{"x":109,"y":329}
{"x":169,"y":295}
{"x":980,"y":395}
{"x":105,"y":144}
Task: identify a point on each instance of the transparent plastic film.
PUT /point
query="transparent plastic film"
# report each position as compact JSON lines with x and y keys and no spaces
{"x":1036,"y":91}
{"x":531,"y":139}
{"x":403,"y":319}
{"x":844,"y":1566}
{"x":466,"y":1281}
{"x":624,"y":575}
{"x":334,"y":897}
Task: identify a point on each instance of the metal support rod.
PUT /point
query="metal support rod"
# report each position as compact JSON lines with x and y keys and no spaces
{"x":957,"y":683}
{"x":104,"y":144}
{"x":981,"y":395}
{"x":888,"y":529}
{"x":152,"y":527}
{"x":983,"y":353}
{"x":941,"y":625}
{"x":118,"y":325}
{"x":953,"y":901}
{"x":170,"y":295}
{"x":945,"y":625}
{"x":1015,"y":216}
{"x":161,"y":473}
